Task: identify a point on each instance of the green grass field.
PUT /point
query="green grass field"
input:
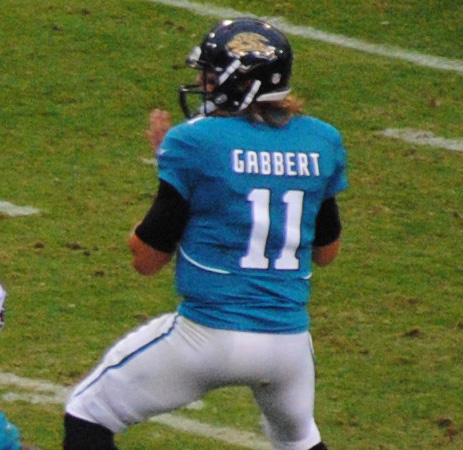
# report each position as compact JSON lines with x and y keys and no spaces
{"x":77,"y":82}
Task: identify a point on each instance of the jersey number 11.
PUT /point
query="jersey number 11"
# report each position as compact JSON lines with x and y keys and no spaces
{"x":260,"y":210}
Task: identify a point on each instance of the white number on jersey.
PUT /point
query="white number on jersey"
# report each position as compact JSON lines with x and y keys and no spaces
{"x":260,"y":210}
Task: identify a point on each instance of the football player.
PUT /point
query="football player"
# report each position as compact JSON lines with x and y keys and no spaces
{"x":10,"y":437}
{"x":2,"y":306}
{"x":246,"y":201}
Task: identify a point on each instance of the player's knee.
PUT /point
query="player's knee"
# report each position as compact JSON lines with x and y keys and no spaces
{"x":82,"y":435}
{"x":319,"y":446}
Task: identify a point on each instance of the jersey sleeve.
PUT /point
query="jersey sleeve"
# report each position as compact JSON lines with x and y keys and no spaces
{"x":338,"y":181}
{"x":178,"y":159}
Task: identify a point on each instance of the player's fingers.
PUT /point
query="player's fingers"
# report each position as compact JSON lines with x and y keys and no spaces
{"x":166,"y":120}
{"x":159,"y":116}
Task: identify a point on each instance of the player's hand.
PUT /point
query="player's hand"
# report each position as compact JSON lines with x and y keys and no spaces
{"x":159,"y":125}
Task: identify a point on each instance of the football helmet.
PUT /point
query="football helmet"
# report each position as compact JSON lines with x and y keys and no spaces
{"x":250,"y":61}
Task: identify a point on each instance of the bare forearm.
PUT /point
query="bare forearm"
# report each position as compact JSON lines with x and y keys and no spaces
{"x":147,"y":260}
{"x":322,"y":256}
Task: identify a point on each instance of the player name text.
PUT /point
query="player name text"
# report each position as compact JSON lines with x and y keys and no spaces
{"x":276,"y":163}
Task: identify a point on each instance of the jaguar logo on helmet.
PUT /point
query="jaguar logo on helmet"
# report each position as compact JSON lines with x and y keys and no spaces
{"x":247,"y":42}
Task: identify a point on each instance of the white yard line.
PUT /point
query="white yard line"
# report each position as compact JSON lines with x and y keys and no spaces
{"x":29,"y":384}
{"x":225,"y":434}
{"x":420,"y":59}
{"x":423,"y":137}
{"x":14,"y":210}
{"x":43,"y":392}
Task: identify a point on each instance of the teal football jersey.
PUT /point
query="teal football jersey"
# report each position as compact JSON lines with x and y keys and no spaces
{"x":254,"y":191}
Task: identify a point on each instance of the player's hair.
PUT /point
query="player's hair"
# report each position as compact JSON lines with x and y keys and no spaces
{"x":275,"y":114}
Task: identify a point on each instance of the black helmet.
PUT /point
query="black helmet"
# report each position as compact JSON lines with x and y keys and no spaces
{"x":251,"y":61}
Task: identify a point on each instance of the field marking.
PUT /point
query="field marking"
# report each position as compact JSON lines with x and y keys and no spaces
{"x":226,"y":434}
{"x":150,"y":161}
{"x":422,"y":137}
{"x":14,"y":210}
{"x":420,"y":59}
{"x":45,"y":393}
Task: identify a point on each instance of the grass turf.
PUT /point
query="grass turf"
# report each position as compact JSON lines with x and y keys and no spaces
{"x":77,"y":83}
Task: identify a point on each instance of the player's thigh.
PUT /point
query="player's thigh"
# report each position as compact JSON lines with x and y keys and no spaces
{"x":287,"y":402}
{"x":150,"y":371}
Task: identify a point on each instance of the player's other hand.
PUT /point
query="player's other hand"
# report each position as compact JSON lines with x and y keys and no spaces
{"x":159,"y":125}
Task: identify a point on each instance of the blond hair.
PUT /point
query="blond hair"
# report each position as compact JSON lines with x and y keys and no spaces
{"x":275,"y":114}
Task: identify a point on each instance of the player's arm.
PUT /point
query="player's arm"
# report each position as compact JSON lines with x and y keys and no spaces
{"x":326,"y":244}
{"x":155,"y":239}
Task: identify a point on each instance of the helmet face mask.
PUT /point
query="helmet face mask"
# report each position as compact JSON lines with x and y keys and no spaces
{"x":250,"y":61}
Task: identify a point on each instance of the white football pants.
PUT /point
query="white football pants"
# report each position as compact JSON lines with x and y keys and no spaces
{"x":171,"y":362}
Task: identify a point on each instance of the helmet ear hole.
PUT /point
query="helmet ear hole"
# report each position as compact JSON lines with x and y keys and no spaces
{"x":220,"y":99}
{"x":276,"y":78}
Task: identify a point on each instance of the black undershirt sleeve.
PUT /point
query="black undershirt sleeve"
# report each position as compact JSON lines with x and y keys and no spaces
{"x":328,"y":225}
{"x":165,"y":222}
